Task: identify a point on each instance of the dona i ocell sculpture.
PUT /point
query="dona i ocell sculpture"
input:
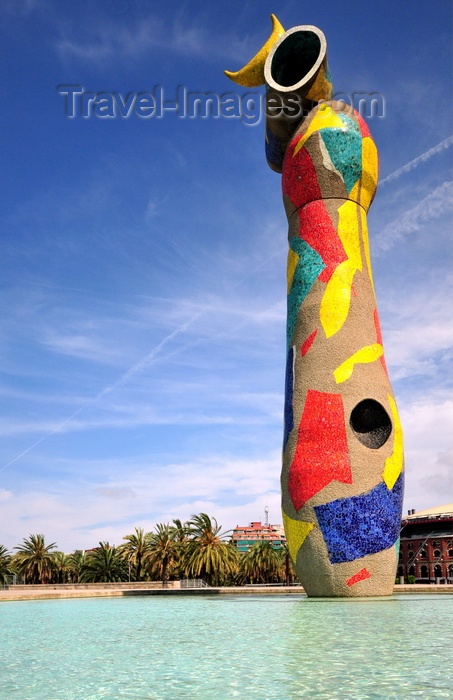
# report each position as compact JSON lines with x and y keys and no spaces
{"x":342,"y":472}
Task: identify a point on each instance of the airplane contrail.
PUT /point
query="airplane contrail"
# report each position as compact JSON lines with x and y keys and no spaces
{"x":137,"y":367}
{"x":446,"y":143}
{"x":436,"y":203}
{"x":147,"y":360}
{"x":51,"y":432}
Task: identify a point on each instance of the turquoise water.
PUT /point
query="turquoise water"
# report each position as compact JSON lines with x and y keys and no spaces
{"x":217,"y":648}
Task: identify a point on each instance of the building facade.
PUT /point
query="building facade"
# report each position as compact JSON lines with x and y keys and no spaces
{"x":426,"y":545}
{"x":245,"y":536}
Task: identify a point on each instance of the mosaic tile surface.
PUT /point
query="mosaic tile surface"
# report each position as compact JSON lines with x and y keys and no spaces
{"x":343,"y":456}
{"x":343,"y":464}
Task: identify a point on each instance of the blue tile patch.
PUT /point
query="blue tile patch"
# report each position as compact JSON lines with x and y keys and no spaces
{"x":289,"y":388}
{"x":273,"y":149}
{"x":345,"y":150}
{"x":309,"y":266}
{"x":360,"y":525}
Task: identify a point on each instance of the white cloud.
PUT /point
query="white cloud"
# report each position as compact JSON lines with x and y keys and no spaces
{"x":110,"y":40}
{"x":417,"y":348}
{"x":153,"y":209}
{"x":429,"y":452}
{"x":125,"y":493}
{"x":139,"y":415}
{"x":80,"y":513}
{"x":419,"y":335}
{"x":437,"y":203}
{"x":116,"y":492}
{"x":82,"y":346}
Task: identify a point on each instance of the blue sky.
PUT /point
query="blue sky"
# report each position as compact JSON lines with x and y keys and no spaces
{"x":143,"y":261}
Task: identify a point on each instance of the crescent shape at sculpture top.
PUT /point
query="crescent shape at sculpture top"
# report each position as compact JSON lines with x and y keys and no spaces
{"x":252,"y":74}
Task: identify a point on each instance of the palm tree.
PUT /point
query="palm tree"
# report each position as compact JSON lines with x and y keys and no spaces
{"x":180,"y":530}
{"x":162,"y":556}
{"x":262,"y":563}
{"x":103,"y":564}
{"x":61,"y":567}
{"x":208,"y":555}
{"x":76,"y":562}
{"x":287,"y":572}
{"x":5,"y":563}
{"x":34,"y":560}
{"x":134,"y":551}
{"x":180,"y":533}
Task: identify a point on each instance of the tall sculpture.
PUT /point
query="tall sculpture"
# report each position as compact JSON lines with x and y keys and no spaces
{"x":342,"y":475}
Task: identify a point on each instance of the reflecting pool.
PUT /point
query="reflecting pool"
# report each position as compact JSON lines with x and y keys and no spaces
{"x":222,"y":647}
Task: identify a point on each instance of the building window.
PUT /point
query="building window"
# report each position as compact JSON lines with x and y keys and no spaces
{"x":423,"y":554}
{"x":424,"y":571}
{"x":450,"y":553}
{"x":437,"y":552}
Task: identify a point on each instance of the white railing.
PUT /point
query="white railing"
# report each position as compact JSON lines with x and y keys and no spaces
{"x":194,"y":583}
{"x":9,"y":580}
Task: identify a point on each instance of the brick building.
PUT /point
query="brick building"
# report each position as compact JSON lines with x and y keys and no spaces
{"x":426,"y":549}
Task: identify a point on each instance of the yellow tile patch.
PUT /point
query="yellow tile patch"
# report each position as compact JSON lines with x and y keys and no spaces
{"x":369,"y":353}
{"x":348,"y":231}
{"x":370,"y":170}
{"x":324,"y":118}
{"x":321,"y":88}
{"x":365,"y":187}
{"x":335,"y":303}
{"x":366,"y":245}
{"x":296,"y":532}
{"x":394,"y":464}
{"x":293,"y":259}
{"x":252,"y":74}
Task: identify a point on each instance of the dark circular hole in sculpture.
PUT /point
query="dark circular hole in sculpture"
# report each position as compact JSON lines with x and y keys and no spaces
{"x":371,"y":423}
{"x":295,"y":57}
